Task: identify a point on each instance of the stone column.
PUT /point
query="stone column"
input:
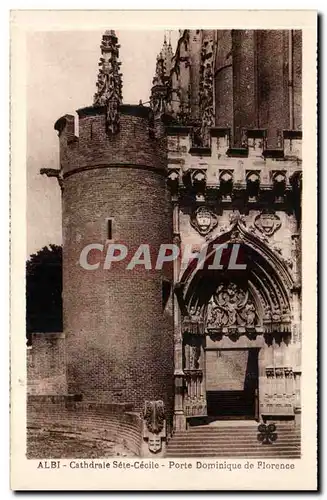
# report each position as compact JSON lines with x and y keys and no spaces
{"x":296,"y":323}
{"x":179,"y":418}
{"x":244,"y":84}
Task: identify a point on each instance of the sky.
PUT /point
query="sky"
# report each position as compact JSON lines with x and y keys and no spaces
{"x":61,"y":78}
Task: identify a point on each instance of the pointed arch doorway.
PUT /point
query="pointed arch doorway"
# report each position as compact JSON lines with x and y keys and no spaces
{"x":236,"y":335}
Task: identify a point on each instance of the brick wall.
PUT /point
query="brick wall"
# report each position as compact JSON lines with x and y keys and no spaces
{"x":257,"y":72}
{"x":273,"y":84}
{"x":93,"y":148}
{"x":244,"y":83}
{"x":46,"y":364}
{"x":119,"y":341}
{"x":297,"y":78}
{"x":111,"y":422}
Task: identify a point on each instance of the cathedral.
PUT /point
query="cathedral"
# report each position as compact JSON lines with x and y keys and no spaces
{"x":213,"y":161}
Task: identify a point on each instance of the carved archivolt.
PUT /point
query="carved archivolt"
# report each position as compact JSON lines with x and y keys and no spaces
{"x":231,"y":306}
{"x":272,"y":285}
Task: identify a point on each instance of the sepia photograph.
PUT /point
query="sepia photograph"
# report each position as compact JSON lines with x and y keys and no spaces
{"x":164,"y":247}
{"x":167,"y":319}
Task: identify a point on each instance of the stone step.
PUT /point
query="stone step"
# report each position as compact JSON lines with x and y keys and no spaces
{"x":227,"y":455}
{"x":241,"y":446}
{"x":179,"y":442}
{"x":240,"y":428}
{"x":200,"y":435}
{"x":231,"y":441}
{"x":234,"y":435}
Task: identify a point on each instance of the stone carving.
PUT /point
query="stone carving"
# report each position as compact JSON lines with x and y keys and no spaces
{"x":154,"y":443}
{"x":236,"y":217}
{"x":223,"y":229}
{"x":154,"y":428}
{"x":161,"y":91}
{"x":288,"y":262}
{"x":109,"y":82}
{"x":248,"y":314}
{"x":195,"y":313}
{"x":193,"y":323}
{"x":160,"y":71}
{"x":154,"y":416}
{"x":173,"y":181}
{"x":236,"y":236}
{"x":195,"y":353}
{"x":230,"y":306}
{"x":267,"y":223}
{"x":195,"y":406}
{"x":204,"y":220}
{"x":53,"y":172}
{"x":259,"y":235}
{"x":277,"y":249}
{"x":206,"y":91}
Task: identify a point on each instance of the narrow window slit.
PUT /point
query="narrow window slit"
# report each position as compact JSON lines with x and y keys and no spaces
{"x":109,"y":229}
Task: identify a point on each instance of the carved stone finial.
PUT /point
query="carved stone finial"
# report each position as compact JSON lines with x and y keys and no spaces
{"x":109,"y":82}
{"x":159,"y":77}
{"x":160,"y":89}
{"x":237,"y":218}
{"x":206,"y":89}
{"x":167,"y":54}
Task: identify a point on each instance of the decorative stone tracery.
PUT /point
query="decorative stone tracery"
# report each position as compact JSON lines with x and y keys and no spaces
{"x":206,"y":90}
{"x":109,"y":82}
{"x":230,"y":306}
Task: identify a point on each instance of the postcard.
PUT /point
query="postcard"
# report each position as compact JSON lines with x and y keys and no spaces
{"x":163,"y":250}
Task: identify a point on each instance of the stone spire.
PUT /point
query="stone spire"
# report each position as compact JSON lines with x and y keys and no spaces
{"x":167,"y":54}
{"x":159,"y":77}
{"x":160,"y":81}
{"x":109,"y":84}
{"x":164,"y":63}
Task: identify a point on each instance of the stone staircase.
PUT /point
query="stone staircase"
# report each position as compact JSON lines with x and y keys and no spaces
{"x":229,"y":441}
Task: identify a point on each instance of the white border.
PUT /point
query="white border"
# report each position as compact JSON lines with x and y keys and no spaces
{"x":21,"y":471}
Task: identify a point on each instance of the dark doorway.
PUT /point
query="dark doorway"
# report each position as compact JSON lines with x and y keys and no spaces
{"x":232,"y":383}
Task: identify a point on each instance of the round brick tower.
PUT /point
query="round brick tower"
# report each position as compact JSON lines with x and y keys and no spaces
{"x":119,"y":338}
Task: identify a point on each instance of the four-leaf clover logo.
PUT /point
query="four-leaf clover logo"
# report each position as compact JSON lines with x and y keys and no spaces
{"x":267,"y":433}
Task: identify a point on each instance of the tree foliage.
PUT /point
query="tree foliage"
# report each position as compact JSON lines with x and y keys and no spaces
{"x":44,"y":290}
